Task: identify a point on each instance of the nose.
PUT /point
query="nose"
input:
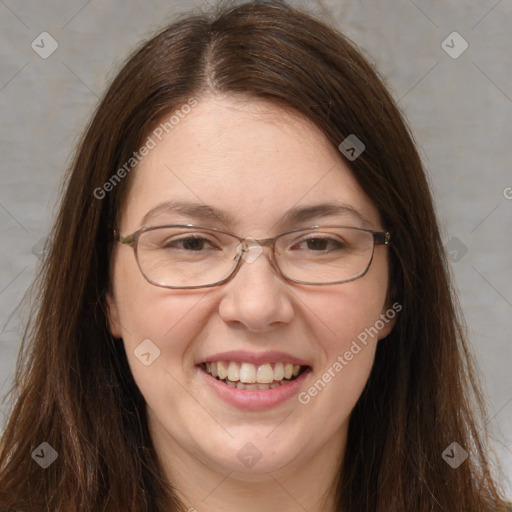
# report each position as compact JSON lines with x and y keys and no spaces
{"x":257,"y":297}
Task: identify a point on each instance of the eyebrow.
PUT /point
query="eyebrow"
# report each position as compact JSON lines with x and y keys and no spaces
{"x":196,"y":210}
{"x":304,"y":213}
{"x":295,"y":215}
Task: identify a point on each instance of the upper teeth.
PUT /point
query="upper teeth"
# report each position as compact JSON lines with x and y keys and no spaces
{"x":249,"y":373}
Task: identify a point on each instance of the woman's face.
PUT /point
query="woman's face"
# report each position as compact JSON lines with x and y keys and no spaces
{"x":242,"y":166}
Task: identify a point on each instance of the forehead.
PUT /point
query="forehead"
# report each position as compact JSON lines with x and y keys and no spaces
{"x":250,"y":161}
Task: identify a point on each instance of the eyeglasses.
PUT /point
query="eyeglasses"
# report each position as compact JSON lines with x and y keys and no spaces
{"x":188,"y":256}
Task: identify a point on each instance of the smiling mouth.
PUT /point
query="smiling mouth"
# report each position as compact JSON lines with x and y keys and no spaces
{"x":249,"y":376}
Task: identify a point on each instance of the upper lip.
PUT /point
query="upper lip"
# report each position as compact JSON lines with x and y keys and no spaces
{"x":242,"y":356}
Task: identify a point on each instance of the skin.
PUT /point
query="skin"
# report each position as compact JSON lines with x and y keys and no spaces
{"x":254,"y":161}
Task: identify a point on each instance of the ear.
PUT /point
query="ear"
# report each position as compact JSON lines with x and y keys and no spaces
{"x":388,"y":318}
{"x":113,"y":316}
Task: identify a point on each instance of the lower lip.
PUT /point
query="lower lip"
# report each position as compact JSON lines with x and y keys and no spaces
{"x":257,"y":399}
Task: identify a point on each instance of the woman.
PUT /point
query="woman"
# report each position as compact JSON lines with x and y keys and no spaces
{"x":245,"y":305}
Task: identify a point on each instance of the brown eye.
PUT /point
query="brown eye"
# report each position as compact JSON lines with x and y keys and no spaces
{"x":190,"y":243}
{"x":318,"y":244}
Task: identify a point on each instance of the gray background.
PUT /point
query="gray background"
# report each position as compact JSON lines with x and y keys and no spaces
{"x":460,"y":110}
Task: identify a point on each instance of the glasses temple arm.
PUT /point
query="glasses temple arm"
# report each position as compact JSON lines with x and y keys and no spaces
{"x":382,"y":238}
{"x":128,"y":240}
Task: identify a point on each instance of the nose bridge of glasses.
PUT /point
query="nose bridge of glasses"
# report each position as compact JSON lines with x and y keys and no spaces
{"x":250,"y":243}
{"x":249,"y":249}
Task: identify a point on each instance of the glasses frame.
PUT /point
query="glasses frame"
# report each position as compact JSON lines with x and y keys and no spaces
{"x":132,"y":240}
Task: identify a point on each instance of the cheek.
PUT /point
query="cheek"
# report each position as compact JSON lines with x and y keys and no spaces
{"x":157,"y":321}
{"x":349,"y":312}
{"x":346,"y":330}
{"x":171,"y":322}
{"x":345,"y":322}
{"x":144,"y":309}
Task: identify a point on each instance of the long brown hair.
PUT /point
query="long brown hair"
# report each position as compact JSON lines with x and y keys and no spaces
{"x":73,"y":388}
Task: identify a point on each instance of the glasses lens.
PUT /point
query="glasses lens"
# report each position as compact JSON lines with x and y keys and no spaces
{"x":185,"y":257}
{"x":325,"y":255}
